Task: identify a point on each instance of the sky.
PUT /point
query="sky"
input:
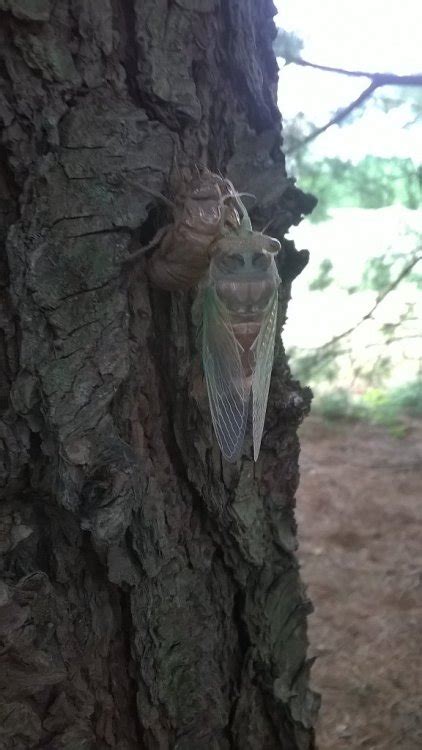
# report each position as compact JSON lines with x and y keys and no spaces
{"x":374,"y":35}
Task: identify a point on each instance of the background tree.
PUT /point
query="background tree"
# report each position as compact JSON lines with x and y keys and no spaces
{"x":372,"y":182}
{"x":149,"y":595}
{"x":288,"y":46}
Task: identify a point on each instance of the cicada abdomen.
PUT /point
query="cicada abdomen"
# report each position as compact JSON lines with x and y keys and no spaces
{"x":240,"y":303}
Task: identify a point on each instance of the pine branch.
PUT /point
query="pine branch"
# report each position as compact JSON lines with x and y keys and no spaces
{"x":380,"y":298}
{"x":381,"y":79}
{"x":328,"y":350}
{"x":377,"y":81}
{"x":338,"y":117}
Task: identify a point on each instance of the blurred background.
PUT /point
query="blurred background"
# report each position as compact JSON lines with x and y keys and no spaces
{"x":354,"y":335}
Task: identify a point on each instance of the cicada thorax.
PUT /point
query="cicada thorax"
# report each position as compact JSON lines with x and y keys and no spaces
{"x":246,"y":278}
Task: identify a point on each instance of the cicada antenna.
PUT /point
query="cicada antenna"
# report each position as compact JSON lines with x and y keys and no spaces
{"x":245,"y":220}
{"x":221,"y":198}
{"x":235,"y":194}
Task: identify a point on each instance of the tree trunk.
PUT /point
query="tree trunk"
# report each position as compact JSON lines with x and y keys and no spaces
{"x":149,"y":593}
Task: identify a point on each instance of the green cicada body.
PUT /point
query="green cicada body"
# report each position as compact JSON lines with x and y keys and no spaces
{"x":239,"y":323}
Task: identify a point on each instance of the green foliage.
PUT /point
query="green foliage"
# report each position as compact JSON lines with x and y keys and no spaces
{"x":373,"y":182}
{"x":381,"y":270}
{"x":315,"y":365}
{"x":377,"y":406}
{"x":380,"y":370}
{"x":377,"y":273}
{"x":408,"y":398}
{"x":338,"y":405}
{"x":399,"y":95}
{"x":324,"y":278}
{"x":287,"y":45}
{"x":389,"y":407}
{"x":416,"y":278}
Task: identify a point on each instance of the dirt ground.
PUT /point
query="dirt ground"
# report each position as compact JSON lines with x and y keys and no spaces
{"x":359,"y":511}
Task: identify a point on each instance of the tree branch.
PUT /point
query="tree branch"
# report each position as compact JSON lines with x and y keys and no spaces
{"x":382,"y":79}
{"x":323,"y":352}
{"x":380,"y":298}
{"x":393,"y":340}
{"x":377,"y":80}
{"x":338,"y":117}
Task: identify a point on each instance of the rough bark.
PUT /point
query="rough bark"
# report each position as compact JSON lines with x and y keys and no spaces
{"x":149,"y":593}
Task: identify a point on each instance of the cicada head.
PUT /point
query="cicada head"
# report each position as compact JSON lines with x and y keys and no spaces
{"x":244,"y":257}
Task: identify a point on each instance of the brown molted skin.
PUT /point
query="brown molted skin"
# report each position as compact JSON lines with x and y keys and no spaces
{"x":201,"y":217}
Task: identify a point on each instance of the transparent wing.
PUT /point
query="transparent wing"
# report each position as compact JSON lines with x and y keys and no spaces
{"x":264,"y":358}
{"x":228,"y":389}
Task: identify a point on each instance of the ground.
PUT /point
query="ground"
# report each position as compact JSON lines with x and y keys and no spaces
{"x":359,"y":512}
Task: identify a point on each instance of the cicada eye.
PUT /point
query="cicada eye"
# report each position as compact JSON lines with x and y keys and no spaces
{"x":230,"y":262}
{"x":273,"y":246}
{"x":261,"y":260}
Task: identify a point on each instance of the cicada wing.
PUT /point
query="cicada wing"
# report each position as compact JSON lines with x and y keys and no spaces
{"x":228,"y":388}
{"x":264,"y":358}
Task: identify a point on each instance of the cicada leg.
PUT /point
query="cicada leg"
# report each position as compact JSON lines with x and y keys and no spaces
{"x":139,"y":254}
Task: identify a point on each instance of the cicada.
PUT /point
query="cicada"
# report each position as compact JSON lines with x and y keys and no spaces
{"x":211,"y":244}
{"x":239,"y":302}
